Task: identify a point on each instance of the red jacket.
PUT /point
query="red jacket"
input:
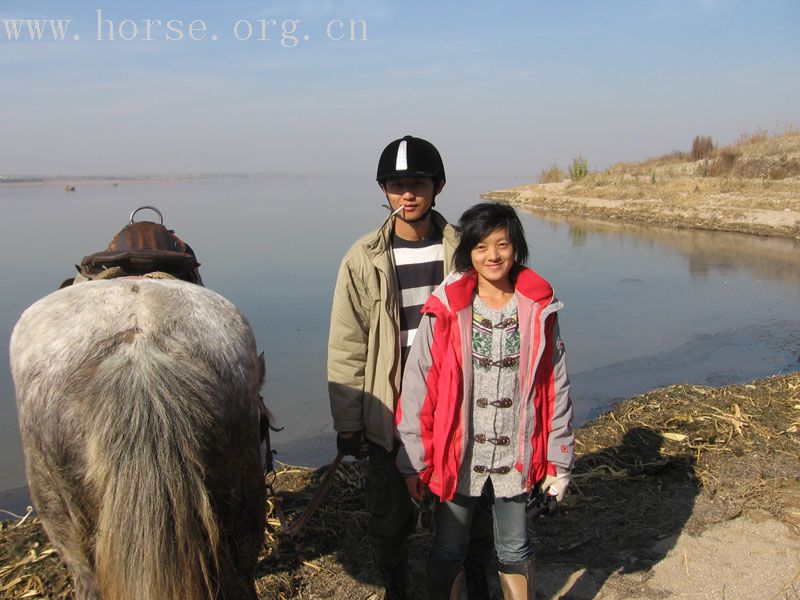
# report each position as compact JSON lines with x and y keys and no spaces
{"x":433,"y":419}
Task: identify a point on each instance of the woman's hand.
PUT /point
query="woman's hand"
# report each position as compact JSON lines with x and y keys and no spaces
{"x":416,"y":487}
{"x":556,"y":485}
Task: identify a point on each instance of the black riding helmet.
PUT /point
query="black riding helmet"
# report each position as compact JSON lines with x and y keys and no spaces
{"x":410,"y":157}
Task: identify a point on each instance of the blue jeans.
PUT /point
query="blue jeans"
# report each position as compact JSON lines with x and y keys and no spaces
{"x":453,"y":520}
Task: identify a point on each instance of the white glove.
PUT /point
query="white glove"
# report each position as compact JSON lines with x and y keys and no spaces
{"x":556,"y":485}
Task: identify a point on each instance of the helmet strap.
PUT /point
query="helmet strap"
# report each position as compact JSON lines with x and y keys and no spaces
{"x":427,"y":212}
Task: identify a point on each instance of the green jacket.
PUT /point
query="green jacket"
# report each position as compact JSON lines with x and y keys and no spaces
{"x":364,"y":342}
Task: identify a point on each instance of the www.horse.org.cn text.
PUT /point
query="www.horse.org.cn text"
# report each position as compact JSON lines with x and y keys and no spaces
{"x":288,"y":33}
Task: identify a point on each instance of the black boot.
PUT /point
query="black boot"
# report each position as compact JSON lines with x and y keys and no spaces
{"x":444,"y":582}
{"x":394,"y":579}
{"x":475,"y":578}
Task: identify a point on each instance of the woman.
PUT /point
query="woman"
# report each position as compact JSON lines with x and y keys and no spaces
{"x":485,"y":400}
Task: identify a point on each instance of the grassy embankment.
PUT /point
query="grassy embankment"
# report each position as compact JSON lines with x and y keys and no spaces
{"x":751,"y":186}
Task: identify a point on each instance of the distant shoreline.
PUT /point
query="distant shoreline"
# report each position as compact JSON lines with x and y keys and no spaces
{"x":82,"y":180}
{"x":78,"y":181}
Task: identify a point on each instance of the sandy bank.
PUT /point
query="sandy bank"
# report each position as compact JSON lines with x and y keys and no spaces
{"x":775,"y":213}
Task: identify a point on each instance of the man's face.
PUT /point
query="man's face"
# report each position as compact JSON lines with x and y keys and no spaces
{"x":414,"y":194}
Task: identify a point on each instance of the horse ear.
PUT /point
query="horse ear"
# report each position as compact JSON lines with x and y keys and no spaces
{"x":262,"y":369}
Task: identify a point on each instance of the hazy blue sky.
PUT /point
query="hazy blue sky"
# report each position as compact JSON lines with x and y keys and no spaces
{"x":502,"y":88}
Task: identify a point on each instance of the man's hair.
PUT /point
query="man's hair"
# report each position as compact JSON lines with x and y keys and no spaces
{"x":479,"y":221}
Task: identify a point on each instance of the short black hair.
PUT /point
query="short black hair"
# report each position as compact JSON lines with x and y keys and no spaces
{"x":479,"y":221}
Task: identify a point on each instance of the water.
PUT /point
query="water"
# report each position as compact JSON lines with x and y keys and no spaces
{"x":644,"y":307}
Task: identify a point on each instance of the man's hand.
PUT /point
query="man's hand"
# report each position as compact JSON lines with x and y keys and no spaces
{"x":352,"y":443}
{"x":416,"y":487}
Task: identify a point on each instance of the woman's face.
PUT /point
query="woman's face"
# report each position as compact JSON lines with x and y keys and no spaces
{"x":493,"y":257}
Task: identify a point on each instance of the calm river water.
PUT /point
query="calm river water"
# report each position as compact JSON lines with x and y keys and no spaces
{"x":644,"y":307}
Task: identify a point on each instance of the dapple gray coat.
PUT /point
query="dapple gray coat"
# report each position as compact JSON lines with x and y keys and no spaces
{"x":138,"y":404}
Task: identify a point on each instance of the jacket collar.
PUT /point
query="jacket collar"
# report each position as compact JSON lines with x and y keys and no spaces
{"x":529,"y":284}
{"x":382,"y":241}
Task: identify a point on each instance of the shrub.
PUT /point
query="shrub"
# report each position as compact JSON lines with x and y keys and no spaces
{"x":702,"y":147}
{"x":759,"y":135}
{"x":553,"y":174}
{"x":752,"y":168}
{"x":725,"y":162}
{"x":579,"y":168}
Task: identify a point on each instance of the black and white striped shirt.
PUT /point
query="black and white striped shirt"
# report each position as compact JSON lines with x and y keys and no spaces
{"x":420,"y":268}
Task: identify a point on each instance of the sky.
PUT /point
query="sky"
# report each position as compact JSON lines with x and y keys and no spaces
{"x":502,"y":88}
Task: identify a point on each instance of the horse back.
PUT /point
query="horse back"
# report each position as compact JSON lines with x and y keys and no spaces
{"x":139,"y":412}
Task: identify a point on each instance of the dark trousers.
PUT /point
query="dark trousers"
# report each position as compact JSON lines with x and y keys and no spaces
{"x":392,"y":515}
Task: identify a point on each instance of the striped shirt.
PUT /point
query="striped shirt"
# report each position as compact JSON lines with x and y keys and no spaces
{"x":420,"y":268}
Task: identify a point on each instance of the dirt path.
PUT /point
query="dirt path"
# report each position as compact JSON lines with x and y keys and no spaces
{"x":753,"y":556}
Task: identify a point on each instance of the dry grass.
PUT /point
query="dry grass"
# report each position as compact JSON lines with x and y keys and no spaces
{"x":30,"y":567}
{"x":748,"y":146}
{"x":757,"y":422}
{"x":552,"y":174}
{"x":756,"y":137}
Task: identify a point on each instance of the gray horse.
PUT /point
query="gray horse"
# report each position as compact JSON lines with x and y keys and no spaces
{"x":138,"y":404}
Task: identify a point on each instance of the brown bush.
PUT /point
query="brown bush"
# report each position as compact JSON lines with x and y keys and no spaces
{"x":552,"y":174}
{"x":725,"y":162}
{"x":702,"y":147}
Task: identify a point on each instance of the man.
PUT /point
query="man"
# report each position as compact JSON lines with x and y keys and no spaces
{"x":384,"y":279}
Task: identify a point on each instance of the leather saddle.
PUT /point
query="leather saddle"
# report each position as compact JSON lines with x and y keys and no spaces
{"x":142,"y":248}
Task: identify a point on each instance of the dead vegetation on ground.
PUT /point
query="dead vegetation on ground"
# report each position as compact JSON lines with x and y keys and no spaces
{"x":676,"y":459}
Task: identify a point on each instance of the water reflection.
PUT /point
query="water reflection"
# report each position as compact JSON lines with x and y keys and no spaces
{"x":577,"y":235}
{"x":776,"y":259}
